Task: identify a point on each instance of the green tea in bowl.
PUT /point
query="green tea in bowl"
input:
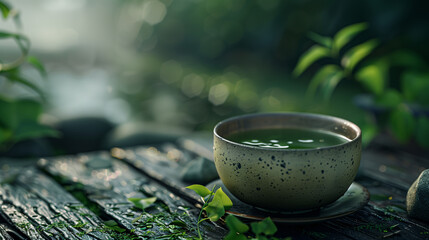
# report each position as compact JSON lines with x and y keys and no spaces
{"x":292,"y":138}
{"x":287,"y":161}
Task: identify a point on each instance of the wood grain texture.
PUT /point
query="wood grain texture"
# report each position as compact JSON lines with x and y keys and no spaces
{"x":110,"y":188}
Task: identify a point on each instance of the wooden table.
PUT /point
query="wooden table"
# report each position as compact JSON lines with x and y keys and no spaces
{"x":85,"y":197}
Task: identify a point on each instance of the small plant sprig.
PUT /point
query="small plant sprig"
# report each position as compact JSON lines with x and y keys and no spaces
{"x":215,"y":204}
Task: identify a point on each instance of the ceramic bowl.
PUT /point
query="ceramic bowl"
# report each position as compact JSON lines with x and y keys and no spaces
{"x":287,"y":179}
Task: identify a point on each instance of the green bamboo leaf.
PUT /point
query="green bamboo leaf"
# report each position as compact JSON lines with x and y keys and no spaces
{"x":331,"y":82}
{"x":215,"y":209}
{"x":422,"y":132}
{"x":346,"y":34}
{"x":200,"y":190}
{"x":313,"y":54}
{"x":402,"y":123}
{"x":142,"y":203}
{"x":356,"y":54}
{"x":37,"y":64}
{"x":266,"y":227}
{"x":7,"y":35}
{"x":322,"y":40}
{"x":23,"y":42}
{"x":5,"y":9}
{"x":325,"y":73}
{"x":18,"y":79}
{"x":373,"y":77}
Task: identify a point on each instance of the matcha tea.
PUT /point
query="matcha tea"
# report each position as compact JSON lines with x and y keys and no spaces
{"x":292,"y":138}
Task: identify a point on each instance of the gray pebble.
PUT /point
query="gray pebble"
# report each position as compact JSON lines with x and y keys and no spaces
{"x":200,"y":170}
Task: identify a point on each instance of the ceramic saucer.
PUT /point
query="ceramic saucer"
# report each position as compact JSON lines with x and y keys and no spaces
{"x":354,"y":199}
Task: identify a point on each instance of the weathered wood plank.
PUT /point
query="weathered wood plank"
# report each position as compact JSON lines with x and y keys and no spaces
{"x":110,"y":188}
{"x":382,"y":218}
{"x":41,"y":209}
{"x":160,"y":166}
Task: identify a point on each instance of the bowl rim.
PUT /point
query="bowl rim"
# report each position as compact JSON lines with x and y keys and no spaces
{"x":314,"y":115}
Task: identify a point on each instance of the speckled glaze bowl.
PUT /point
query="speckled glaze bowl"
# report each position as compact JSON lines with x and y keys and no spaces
{"x":287,"y":179}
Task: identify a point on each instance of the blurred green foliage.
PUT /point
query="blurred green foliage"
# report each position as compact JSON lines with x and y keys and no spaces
{"x":406,"y":107}
{"x":19,"y":117}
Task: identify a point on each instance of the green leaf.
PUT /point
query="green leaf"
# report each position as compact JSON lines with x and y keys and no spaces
{"x":265,"y":226}
{"x":112,"y":225}
{"x":37,"y":64}
{"x":389,"y":99}
{"x":322,"y":40}
{"x":356,"y":54}
{"x":5,"y":135}
{"x":22,"y":41}
{"x":415,"y":86}
{"x":324,"y":74}
{"x":235,"y":225}
{"x":215,"y":208}
{"x":369,"y":131}
{"x":236,"y":228}
{"x":29,"y":130}
{"x":346,"y":34}
{"x":313,"y":54}
{"x":200,"y":190}
{"x":26,"y":83}
{"x":28,"y":110}
{"x":142,"y":203}
{"x":7,"y":35}
{"x":422,"y":132}
{"x":331,"y":82}
{"x":5,"y":9}
{"x":137,"y":218}
{"x":407,"y":59}
{"x":226,"y":201}
{"x":7,"y":113}
{"x":179,"y":223}
{"x":402,"y":123}
{"x":235,"y":236}
{"x":373,"y":77}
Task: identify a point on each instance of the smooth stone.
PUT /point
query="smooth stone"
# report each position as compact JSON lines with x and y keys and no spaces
{"x":418,"y":197}
{"x":31,"y":148}
{"x":81,"y":134}
{"x":141,"y":133}
{"x":200,"y":170}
